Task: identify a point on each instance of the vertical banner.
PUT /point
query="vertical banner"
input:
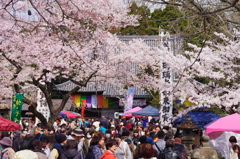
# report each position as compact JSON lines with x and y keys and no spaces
{"x":99,"y":101}
{"x":105,"y":102}
{"x":88,"y":101}
{"x":17,"y":101}
{"x":42,"y":105}
{"x":83,"y":101}
{"x":129,"y":102}
{"x":94,"y":101}
{"x":166,"y":95}
{"x":77,"y":99}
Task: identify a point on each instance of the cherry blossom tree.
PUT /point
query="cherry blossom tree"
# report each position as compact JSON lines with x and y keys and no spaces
{"x":42,"y":40}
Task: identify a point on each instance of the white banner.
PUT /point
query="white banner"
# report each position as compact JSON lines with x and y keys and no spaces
{"x":42,"y":105}
{"x":166,"y":95}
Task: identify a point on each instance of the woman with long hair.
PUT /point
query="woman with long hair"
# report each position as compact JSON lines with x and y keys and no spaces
{"x":97,"y":142}
{"x":148,"y":152}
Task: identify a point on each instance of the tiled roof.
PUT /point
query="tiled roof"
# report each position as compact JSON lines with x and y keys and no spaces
{"x":107,"y":89}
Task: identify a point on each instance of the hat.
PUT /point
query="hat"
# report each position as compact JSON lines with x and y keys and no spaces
{"x":121,"y":123}
{"x":61,"y":138}
{"x":78,"y":132}
{"x":150,"y":141}
{"x":205,"y":138}
{"x":177,"y":140}
{"x":6,"y":141}
{"x":129,"y":141}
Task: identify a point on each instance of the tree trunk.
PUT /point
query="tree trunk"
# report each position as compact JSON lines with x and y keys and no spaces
{"x":51,"y":120}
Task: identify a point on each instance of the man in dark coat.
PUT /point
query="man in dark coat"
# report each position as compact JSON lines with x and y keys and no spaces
{"x":17,"y":141}
{"x":104,"y":122}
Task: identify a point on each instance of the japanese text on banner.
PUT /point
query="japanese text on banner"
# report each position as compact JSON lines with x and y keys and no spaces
{"x":17,"y":101}
{"x":166,"y":95}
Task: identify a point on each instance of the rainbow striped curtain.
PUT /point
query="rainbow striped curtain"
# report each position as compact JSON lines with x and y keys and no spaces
{"x":92,"y":101}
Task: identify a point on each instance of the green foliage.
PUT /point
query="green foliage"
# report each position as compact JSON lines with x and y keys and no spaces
{"x":143,"y":28}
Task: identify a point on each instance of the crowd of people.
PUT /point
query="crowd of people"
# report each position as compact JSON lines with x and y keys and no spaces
{"x":106,"y":139}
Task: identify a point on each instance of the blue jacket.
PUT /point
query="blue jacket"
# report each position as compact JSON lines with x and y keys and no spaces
{"x":94,"y":152}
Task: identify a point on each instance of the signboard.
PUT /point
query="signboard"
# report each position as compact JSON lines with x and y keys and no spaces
{"x":166,"y":95}
{"x":17,"y":101}
{"x":42,"y":106}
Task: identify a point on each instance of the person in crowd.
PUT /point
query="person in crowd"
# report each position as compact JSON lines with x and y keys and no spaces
{"x":104,"y":122}
{"x":128,"y":125}
{"x":125,"y":135}
{"x":205,"y":151}
{"x":180,"y":149}
{"x":236,"y":149}
{"x":45,"y":144}
{"x":130,"y":145}
{"x":79,"y":136}
{"x":233,"y":141}
{"x":159,"y":146}
{"x":17,"y":141}
{"x":123,"y":151}
{"x":102,"y":128}
{"x":37,"y":148}
{"x":7,"y":152}
{"x":138,"y":150}
{"x":26,"y":149}
{"x":196,"y":141}
{"x":151,"y":138}
{"x":86,"y":123}
{"x":147,"y":152}
{"x":96,"y":144}
{"x":59,"y":147}
{"x":120,"y":128}
{"x":73,"y":124}
{"x":88,"y":140}
{"x":108,"y":134}
{"x":96,"y":124}
{"x":111,"y":147}
{"x":168,"y":152}
{"x":71,"y":151}
{"x":38,"y":128}
{"x":135,"y":137}
{"x":113,"y":130}
{"x":141,"y":131}
{"x":56,"y":124}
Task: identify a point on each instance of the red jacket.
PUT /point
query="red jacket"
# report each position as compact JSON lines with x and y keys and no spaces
{"x":108,"y":155}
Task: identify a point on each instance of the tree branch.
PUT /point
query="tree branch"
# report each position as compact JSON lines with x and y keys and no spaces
{"x":233,"y":4}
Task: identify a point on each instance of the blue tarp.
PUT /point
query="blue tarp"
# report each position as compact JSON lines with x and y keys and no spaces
{"x":61,"y":114}
{"x":147,"y":111}
{"x":199,"y":118}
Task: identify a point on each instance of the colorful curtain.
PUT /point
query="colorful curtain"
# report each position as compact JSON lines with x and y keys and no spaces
{"x":99,"y":101}
{"x":88,"y":101}
{"x":94,"y":101}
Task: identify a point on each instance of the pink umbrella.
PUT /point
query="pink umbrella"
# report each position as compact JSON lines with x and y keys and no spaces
{"x":129,"y":112}
{"x":227,"y":123}
{"x":70,"y":114}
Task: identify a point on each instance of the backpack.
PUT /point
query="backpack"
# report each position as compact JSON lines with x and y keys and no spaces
{"x":161,"y":153}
